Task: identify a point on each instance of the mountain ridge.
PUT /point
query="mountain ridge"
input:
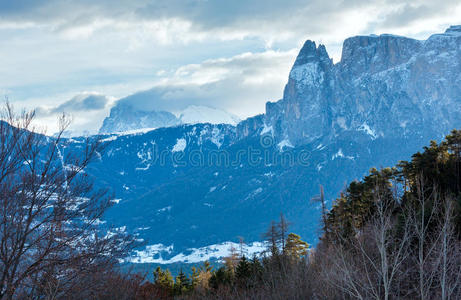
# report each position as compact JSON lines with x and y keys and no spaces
{"x":382,"y":102}
{"x":124,"y":117}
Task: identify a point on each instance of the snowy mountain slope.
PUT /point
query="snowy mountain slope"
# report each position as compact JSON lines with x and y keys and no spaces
{"x":124,"y":118}
{"x":384,"y":85}
{"x":194,"y":114}
{"x":197,"y":185}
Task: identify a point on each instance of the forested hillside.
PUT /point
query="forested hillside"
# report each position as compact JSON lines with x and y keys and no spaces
{"x":395,"y":234}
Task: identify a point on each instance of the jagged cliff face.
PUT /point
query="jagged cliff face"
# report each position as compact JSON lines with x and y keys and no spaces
{"x":383,"y":86}
{"x":125,"y":118}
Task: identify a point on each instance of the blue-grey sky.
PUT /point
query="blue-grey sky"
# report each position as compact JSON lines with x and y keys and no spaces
{"x":81,"y":56}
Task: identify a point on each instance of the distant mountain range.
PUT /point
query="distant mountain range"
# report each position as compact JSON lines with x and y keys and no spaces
{"x":124,"y":117}
{"x":188,"y":187}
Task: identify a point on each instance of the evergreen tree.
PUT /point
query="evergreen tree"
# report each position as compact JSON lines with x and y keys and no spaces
{"x":195,"y":277}
{"x":221,"y":277}
{"x":243,"y":270}
{"x":182,"y":283}
{"x":256,"y":269}
{"x":295,"y":247}
{"x":163,"y":281}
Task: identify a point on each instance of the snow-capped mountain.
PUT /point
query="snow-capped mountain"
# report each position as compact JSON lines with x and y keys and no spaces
{"x":383,"y":86}
{"x":124,"y":117}
{"x":203,"y":184}
{"x":194,"y":114}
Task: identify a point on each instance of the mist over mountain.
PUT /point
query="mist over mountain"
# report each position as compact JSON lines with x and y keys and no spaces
{"x":187,"y":187}
{"x":124,"y":117}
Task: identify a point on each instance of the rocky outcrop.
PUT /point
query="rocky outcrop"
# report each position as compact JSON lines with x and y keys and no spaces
{"x":383,"y":86}
{"x":124,"y":118}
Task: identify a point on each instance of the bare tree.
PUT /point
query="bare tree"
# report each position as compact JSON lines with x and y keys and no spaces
{"x":49,"y":211}
{"x":393,"y":250}
{"x":447,"y":256}
{"x":422,"y":214}
{"x":272,"y":236}
{"x":321,"y":199}
{"x":369,"y":265}
{"x":283,"y":229}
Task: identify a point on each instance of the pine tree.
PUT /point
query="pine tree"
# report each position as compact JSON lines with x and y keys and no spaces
{"x":182,"y":283}
{"x":295,"y":247}
{"x":222,"y":276}
{"x":194,"y":277}
{"x":256,"y":269}
{"x":163,"y":281}
{"x":243,"y":270}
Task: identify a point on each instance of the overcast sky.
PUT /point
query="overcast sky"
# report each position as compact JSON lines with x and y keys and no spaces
{"x":81,"y":56}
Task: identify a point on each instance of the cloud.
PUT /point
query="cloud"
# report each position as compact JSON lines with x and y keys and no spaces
{"x":402,"y":15}
{"x":182,"y":52}
{"x":199,"y":19}
{"x":86,"y":110}
{"x":133,"y":25}
{"x":81,"y":103}
{"x":241,"y":84}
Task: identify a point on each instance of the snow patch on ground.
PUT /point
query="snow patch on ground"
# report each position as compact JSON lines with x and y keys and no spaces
{"x":203,"y":114}
{"x":340,"y":154}
{"x":254,"y":193}
{"x":266,"y":129}
{"x":110,"y":139}
{"x":319,"y":166}
{"x":164,"y":209}
{"x":217,"y":137}
{"x":320,"y":147}
{"x":179,"y":146}
{"x":307,"y":74}
{"x":284,"y":143}
{"x":158,"y":253}
{"x":134,"y":131}
{"x":145,"y":155}
{"x":364,"y":127}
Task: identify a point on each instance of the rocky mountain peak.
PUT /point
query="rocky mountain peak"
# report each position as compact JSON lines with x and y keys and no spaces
{"x":124,"y":117}
{"x":371,"y":54}
{"x":310,"y":53}
{"x":384,"y":85}
{"x":454,"y":29}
